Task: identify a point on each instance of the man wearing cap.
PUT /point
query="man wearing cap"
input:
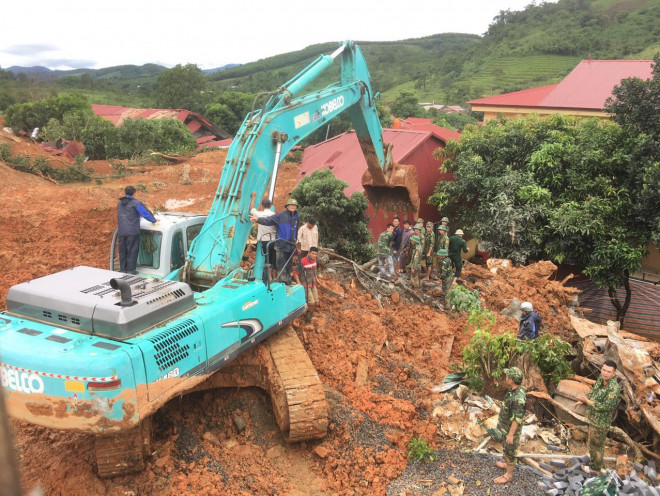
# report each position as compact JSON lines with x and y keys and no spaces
{"x":406,"y":233}
{"x":415,"y":259}
{"x":509,"y":422}
{"x":602,"y":401}
{"x":429,"y":242}
{"x":129,"y":211}
{"x":445,"y":222}
{"x":395,"y":249}
{"x":446,"y":275}
{"x":417,"y":230}
{"x":530,"y":322}
{"x":456,"y":244}
{"x":287,"y":232}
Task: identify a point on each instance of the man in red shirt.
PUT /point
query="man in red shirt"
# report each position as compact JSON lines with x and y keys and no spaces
{"x":308,"y":277}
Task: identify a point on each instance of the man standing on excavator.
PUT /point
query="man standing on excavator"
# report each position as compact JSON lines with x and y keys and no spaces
{"x":129,"y":211}
{"x":287,"y":234}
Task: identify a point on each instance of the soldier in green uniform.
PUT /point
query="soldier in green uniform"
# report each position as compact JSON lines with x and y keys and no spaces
{"x":602,"y":401}
{"x":509,"y":422}
{"x":456,"y":245}
{"x":415,"y":264}
{"x":429,"y":242}
{"x":417,"y":231}
{"x":446,"y":274}
{"x":384,"y":254}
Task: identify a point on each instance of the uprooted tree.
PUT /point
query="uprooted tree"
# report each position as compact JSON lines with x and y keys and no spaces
{"x":556,"y":187}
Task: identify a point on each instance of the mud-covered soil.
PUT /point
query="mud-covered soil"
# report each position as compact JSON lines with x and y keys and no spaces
{"x":377,"y":359}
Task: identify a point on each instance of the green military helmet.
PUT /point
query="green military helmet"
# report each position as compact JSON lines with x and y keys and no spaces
{"x":415,"y":239}
{"x":442,"y":253}
{"x":419,"y":221}
{"x":291,"y":201}
{"x":418,"y":226}
{"x":429,"y":224}
{"x":515,"y":374}
{"x":445,"y":219}
{"x":442,"y":228}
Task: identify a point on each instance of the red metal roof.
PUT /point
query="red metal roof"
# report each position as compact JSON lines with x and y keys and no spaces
{"x":422,"y":124}
{"x":198,"y":125}
{"x":586,"y":87}
{"x":525,"y":98}
{"x":344,"y":156}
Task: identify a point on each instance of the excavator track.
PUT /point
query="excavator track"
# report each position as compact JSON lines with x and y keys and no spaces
{"x":123,"y":453}
{"x":297,"y":393}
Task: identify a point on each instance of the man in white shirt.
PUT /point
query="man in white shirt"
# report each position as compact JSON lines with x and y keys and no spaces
{"x":265,"y":234}
{"x":308,"y":236}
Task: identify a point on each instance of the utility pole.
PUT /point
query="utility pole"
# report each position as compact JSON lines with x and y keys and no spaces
{"x":10,"y":484}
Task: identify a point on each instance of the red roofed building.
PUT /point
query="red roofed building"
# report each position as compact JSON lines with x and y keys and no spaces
{"x":205,"y":132}
{"x":582,"y":93}
{"x":343,"y":155}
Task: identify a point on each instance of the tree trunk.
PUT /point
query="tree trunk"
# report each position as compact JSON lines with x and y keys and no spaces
{"x":621,"y":310}
{"x":614,"y":298}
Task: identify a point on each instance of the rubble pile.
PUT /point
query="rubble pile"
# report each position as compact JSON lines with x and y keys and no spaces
{"x":568,"y":477}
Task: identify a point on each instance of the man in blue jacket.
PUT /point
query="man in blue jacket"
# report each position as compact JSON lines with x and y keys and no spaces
{"x":129,"y":211}
{"x":530,"y":322}
{"x":287,"y":234}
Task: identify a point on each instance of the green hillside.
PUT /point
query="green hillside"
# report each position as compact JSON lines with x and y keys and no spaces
{"x":536,"y":46}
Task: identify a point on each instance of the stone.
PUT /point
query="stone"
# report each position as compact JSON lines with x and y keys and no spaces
{"x":210,"y":437}
{"x":558,"y":462}
{"x":239,"y":422}
{"x":321,"y":451}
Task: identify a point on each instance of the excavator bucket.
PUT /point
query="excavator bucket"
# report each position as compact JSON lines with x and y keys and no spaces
{"x":393,"y":187}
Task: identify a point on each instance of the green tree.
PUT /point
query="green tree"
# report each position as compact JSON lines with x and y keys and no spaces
{"x":182,"y":87}
{"x":636,"y":106}
{"x":91,"y":129}
{"x":228,"y":110}
{"x":554,"y":187}
{"x":138,"y":137}
{"x":27,"y":116}
{"x":407,"y":105}
{"x":342,"y":223}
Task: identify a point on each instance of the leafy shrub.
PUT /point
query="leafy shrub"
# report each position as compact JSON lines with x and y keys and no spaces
{"x":27,"y":116}
{"x":41,"y":167}
{"x":342,"y":223}
{"x":462,"y":299}
{"x":419,"y":450}
{"x":5,"y":153}
{"x":487,"y":355}
{"x":137,"y":137}
{"x":91,"y":129}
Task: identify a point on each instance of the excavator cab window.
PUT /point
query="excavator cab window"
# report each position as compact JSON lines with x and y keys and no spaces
{"x":178,"y":255}
{"x":149,"y":252}
{"x":192,"y":232}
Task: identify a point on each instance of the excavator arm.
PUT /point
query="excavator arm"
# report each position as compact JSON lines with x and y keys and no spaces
{"x":267,"y":135}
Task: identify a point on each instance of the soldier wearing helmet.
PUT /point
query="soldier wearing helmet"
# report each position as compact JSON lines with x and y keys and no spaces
{"x":446,"y":275}
{"x":509,"y":422}
{"x":415,"y":265}
{"x":530,"y":322}
{"x":429,"y":243}
{"x":456,"y":245}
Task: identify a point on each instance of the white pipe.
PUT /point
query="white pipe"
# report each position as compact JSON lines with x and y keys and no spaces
{"x":271,"y":190}
{"x":338,"y":51}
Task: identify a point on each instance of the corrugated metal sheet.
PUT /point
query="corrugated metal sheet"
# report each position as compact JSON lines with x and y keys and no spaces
{"x":592,"y":82}
{"x":344,"y":157}
{"x":421,"y":124}
{"x":195,"y":122}
{"x":643,"y":316}
{"x":525,"y":98}
{"x":586,"y":87}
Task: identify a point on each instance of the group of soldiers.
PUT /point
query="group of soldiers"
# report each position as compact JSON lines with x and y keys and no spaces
{"x":420,"y":250}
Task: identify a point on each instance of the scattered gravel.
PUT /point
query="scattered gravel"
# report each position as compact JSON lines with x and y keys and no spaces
{"x":475,"y":470}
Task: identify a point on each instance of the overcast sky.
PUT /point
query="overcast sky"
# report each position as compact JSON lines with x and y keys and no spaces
{"x":94,"y":34}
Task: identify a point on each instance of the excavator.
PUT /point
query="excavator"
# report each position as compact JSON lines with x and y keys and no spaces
{"x":99,"y":351}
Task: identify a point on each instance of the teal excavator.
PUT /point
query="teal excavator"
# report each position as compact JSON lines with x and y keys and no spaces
{"x":98,"y":351}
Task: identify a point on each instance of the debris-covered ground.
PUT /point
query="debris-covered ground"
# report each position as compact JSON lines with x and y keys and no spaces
{"x":379,"y":359}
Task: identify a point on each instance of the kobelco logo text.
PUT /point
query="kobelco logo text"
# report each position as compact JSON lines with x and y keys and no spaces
{"x":23,"y":382}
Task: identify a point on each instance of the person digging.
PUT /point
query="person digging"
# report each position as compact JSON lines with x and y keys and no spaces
{"x":509,"y":423}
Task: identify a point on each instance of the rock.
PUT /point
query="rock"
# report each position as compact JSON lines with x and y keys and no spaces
{"x":462,"y":392}
{"x":396,"y":298}
{"x":362,"y":372}
{"x":321,"y":451}
{"x":622,"y":468}
{"x":513,"y":309}
{"x":210,"y":437}
{"x":239,"y":422}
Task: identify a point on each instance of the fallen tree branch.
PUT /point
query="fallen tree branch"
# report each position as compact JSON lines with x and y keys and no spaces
{"x":614,"y":432}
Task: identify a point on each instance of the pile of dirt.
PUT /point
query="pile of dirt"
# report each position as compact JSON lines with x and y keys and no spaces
{"x":378,"y":359}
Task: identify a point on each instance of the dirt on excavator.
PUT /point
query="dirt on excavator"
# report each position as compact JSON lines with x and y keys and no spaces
{"x":377,"y":358}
